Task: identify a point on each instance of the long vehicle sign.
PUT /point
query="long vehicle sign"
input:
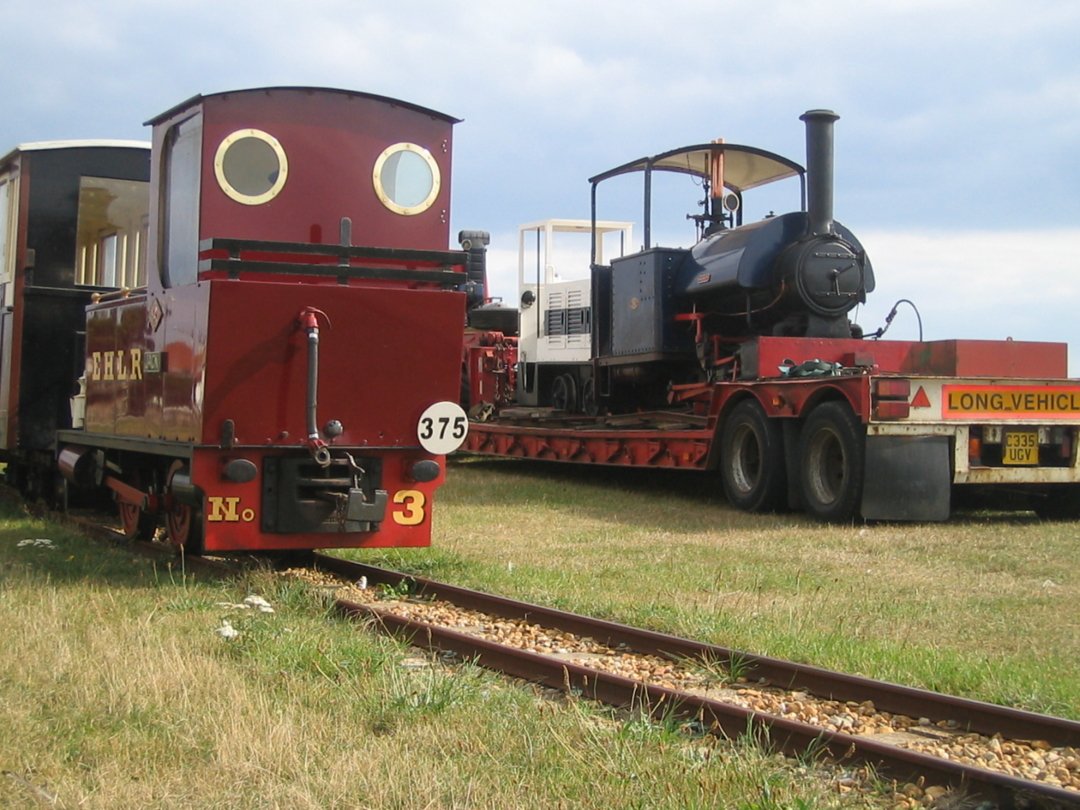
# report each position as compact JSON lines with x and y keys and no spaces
{"x":1022,"y":401}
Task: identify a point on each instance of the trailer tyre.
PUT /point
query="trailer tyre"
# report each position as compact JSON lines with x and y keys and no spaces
{"x":1058,"y":503}
{"x":752,"y":459}
{"x":832,"y":449}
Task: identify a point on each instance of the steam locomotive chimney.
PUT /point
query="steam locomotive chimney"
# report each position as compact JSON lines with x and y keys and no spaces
{"x":819,"y":169}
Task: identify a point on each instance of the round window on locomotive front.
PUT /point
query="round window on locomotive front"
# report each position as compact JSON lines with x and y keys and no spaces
{"x":251,"y":166}
{"x":406,"y":179}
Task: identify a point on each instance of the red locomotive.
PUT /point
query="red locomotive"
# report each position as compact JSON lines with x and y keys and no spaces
{"x":737,"y":355}
{"x":287,"y":377}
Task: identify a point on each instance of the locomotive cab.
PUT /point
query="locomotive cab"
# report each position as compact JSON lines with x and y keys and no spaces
{"x":680,"y":316}
{"x":556,"y":325}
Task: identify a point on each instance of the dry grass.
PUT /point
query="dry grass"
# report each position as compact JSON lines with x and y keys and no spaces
{"x":984,"y":605}
{"x":116,"y":691}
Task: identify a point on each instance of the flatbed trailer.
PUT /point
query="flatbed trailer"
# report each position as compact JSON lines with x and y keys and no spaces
{"x":925,"y":417}
{"x":737,"y":355}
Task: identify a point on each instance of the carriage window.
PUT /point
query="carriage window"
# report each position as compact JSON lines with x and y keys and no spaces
{"x":7,"y":211}
{"x":251,"y":166}
{"x":111,"y":232}
{"x":406,"y":179}
{"x":109,"y":257}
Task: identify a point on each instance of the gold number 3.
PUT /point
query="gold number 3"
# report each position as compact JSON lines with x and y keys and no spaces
{"x":413,"y":512}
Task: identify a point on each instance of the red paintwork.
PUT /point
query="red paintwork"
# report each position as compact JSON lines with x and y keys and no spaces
{"x":117,"y":404}
{"x":624,"y":448}
{"x":488,"y":367}
{"x":938,"y":358}
{"x":794,"y":398}
{"x":222,"y":363}
{"x":385,"y":358}
{"x":648,"y":445}
{"x":652,"y":444}
{"x":245,"y":534}
{"x":331,"y":139}
{"x":237,"y":349}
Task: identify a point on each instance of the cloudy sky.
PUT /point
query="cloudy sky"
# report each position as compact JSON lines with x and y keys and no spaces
{"x":957,"y":151}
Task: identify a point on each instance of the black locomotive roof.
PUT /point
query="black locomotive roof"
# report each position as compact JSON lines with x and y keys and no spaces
{"x":99,"y":143}
{"x":745,"y":167}
{"x":197,"y":98}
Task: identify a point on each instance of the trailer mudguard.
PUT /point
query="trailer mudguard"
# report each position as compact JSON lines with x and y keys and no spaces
{"x":906,"y":478}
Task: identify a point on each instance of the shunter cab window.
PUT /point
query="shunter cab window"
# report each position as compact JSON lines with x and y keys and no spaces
{"x":180,"y":223}
{"x":111,"y":232}
{"x":406,"y":179}
{"x":251,"y":166}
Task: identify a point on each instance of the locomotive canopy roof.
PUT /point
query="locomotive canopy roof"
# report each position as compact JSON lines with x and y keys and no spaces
{"x":745,"y":167}
{"x":198,"y":98}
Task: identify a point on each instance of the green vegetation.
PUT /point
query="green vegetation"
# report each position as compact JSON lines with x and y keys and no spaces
{"x":119,"y":688}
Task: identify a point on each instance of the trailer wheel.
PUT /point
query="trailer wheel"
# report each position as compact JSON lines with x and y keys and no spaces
{"x":831,"y":460}
{"x":752,"y":459}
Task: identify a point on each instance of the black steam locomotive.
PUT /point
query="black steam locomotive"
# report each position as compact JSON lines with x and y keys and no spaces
{"x":669,"y":316}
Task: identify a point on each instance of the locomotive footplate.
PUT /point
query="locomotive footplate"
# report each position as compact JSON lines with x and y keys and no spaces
{"x":300,"y":496}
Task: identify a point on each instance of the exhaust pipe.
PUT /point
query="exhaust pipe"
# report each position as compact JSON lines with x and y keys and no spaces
{"x":819,"y":169}
{"x":475,"y":244}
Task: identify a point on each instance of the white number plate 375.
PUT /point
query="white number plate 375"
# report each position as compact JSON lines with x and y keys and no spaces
{"x":442,"y":428}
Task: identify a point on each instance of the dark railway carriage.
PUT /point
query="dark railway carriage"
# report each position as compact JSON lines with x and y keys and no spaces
{"x":286,"y":379}
{"x":73,"y":221}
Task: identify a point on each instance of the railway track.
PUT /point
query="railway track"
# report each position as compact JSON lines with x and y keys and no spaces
{"x":945,"y":746}
{"x":940,"y":747}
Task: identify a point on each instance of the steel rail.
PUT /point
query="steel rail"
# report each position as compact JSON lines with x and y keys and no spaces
{"x":789,"y":736}
{"x":171,"y":556}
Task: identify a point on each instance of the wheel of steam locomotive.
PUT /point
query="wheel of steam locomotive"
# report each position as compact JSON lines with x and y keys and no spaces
{"x":135,"y":522}
{"x":182,"y":522}
{"x":752,"y":459}
{"x":831,"y":459}
{"x":564,"y":393}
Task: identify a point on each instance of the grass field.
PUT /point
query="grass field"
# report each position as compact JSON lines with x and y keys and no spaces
{"x":986,"y":606}
{"x":117,"y":690}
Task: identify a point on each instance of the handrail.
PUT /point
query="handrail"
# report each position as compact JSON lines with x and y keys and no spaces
{"x":115,"y":295}
{"x":234,"y":267}
{"x":430,"y":258}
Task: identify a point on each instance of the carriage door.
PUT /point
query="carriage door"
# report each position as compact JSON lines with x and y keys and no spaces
{"x":9,"y":217}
